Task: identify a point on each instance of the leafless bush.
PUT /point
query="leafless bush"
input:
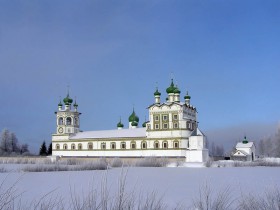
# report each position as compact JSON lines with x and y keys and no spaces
{"x":151,"y":162}
{"x":208,"y":199}
{"x":8,"y":195}
{"x":116,"y":162}
{"x":95,"y":165}
{"x":209,"y":162}
{"x":269,"y":201}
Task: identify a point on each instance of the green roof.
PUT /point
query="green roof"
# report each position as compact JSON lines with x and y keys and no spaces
{"x":187,"y":96}
{"x":157,"y":93}
{"x":134,"y":123}
{"x":171,"y":88}
{"x":120,"y":125}
{"x":144,"y":124}
{"x":68,"y":100}
{"x":133,"y":117}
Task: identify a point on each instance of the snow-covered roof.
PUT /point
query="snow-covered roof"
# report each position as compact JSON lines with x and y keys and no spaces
{"x":242,"y":145}
{"x":122,"y":133}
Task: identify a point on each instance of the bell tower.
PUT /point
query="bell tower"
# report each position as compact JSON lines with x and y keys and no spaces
{"x":67,"y":119}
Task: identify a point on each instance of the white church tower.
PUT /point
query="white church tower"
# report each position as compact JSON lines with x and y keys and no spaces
{"x":67,"y":119}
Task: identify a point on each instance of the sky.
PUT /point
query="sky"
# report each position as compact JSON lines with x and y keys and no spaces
{"x":113,"y":54}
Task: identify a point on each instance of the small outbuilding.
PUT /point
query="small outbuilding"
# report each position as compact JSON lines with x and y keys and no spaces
{"x":244,"y":151}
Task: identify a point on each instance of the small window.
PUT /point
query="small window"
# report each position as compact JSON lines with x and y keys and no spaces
{"x":165,"y":125}
{"x":103,"y":145}
{"x":73,"y":146}
{"x":90,"y":146}
{"x":123,"y":146}
{"x":176,"y":144}
{"x":156,"y":145}
{"x":157,"y":126}
{"x":113,"y":145}
{"x":175,"y":117}
{"x":175,"y":125}
{"x":144,"y":145}
{"x":156,"y":118}
{"x":60,"y":121}
{"x":133,"y":145}
{"x":165,"y":145}
{"x":65,"y":146}
{"x":57,"y":147}
{"x":165,"y":117}
{"x":80,"y":147}
{"x":68,"y":121}
{"x":189,"y":126}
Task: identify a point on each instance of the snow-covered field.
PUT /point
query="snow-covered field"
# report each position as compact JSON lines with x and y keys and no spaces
{"x":174,"y":184}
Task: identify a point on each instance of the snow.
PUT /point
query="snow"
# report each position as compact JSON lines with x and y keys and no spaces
{"x":133,"y":132}
{"x":175,"y":184}
{"x":242,"y":145}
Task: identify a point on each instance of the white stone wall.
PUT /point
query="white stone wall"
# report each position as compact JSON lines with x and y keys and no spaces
{"x":197,"y":155}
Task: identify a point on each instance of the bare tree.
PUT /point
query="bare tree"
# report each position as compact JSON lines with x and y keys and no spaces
{"x":5,"y":141}
{"x":14,"y":143}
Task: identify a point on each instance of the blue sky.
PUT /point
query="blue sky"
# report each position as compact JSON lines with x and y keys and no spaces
{"x":112,"y":54}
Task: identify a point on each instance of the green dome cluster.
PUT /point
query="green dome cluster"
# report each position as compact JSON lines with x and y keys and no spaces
{"x":68,"y":100}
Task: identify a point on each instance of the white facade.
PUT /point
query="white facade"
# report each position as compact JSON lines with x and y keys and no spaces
{"x":170,"y":132}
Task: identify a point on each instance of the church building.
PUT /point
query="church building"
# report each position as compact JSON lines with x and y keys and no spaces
{"x":172,"y":132}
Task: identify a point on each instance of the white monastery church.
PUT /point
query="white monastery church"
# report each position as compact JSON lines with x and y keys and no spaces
{"x":172,"y":131}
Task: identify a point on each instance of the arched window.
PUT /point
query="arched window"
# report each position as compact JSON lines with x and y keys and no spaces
{"x":133,"y":145}
{"x":60,"y":121}
{"x":57,"y":146}
{"x":103,"y":145}
{"x":123,"y":145}
{"x":80,"y":147}
{"x":113,"y":145}
{"x":90,"y":146}
{"x":176,"y":144}
{"x":156,"y":145}
{"x":144,"y":145}
{"x":165,"y":145}
{"x":68,"y":121}
{"x":65,"y":146}
{"x":73,"y":147}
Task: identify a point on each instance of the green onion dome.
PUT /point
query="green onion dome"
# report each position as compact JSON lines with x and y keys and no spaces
{"x":75,"y":104}
{"x":60,"y":104}
{"x":176,"y":90}
{"x":133,"y":117}
{"x":171,"y":88}
{"x":134,"y":123}
{"x":187,"y":96}
{"x":157,"y":93}
{"x":120,"y":125}
{"x":245,"y":141}
{"x":144,"y":124}
{"x":67,"y":100}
